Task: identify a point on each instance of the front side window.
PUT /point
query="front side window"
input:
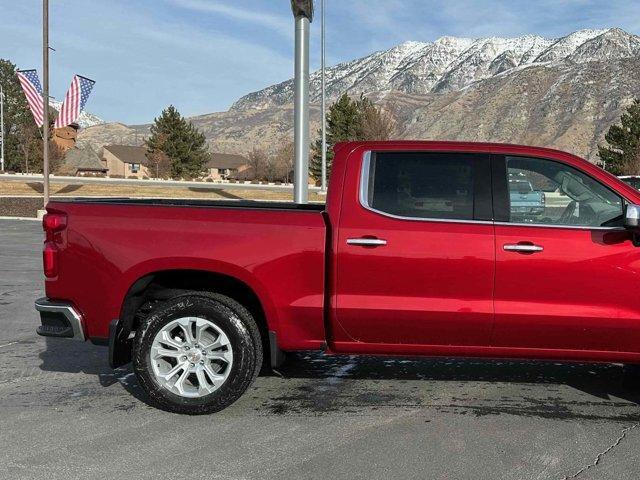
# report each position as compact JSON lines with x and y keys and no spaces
{"x":545,"y":192}
{"x":422,"y":185}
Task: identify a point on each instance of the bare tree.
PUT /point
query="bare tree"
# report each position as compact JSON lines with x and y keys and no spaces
{"x":158,"y":160}
{"x":258,"y":160}
{"x":377,"y":123}
{"x":631,"y":166}
{"x":284,"y":160}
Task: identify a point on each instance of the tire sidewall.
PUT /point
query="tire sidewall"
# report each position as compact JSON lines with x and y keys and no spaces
{"x":225,"y":318}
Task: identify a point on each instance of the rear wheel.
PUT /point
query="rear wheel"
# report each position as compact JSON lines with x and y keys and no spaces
{"x":197,"y":353}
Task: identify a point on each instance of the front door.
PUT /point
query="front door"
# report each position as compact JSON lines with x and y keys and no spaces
{"x":567,"y":274}
{"x":415,"y":252}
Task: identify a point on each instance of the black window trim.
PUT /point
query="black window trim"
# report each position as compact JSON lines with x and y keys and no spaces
{"x":501,"y":205}
{"x":481,"y":193}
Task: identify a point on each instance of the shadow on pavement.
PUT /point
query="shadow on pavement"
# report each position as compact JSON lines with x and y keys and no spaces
{"x":312,"y":383}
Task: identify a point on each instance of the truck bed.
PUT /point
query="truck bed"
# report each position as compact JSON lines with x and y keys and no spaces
{"x":110,"y":244}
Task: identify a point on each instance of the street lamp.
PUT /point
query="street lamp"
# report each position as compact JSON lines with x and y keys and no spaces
{"x":303,"y":13}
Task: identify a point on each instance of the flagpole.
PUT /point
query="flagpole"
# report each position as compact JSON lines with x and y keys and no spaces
{"x":324,"y":102}
{"x":45,"y":98}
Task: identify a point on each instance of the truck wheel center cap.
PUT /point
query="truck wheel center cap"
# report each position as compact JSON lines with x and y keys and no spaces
{"x":194,"y":357}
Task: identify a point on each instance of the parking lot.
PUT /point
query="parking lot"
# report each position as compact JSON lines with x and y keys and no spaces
{"x":65,"y":414}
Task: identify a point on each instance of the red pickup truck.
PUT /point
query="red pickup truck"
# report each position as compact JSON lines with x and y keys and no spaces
{"x":417,"y":252}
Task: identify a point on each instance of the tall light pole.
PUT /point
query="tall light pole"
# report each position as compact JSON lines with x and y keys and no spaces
{"x":324,"y":100}
{"x":2,"y":129}
{"x":45,"y":98}
{"x":303,"y":14}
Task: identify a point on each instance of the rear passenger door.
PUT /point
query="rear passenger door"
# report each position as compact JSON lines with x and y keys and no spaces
{"x":415,"y":254}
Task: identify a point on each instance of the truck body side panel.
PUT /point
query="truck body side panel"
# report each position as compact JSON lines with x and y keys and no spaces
{"x":279,"y":254}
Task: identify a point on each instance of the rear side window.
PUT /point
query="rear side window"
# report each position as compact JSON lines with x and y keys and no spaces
{"x":422,"y":185}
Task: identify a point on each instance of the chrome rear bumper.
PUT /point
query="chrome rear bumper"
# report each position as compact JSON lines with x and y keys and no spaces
{"x":59,"y":320}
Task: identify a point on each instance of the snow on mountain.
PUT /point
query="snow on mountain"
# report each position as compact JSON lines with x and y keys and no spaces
{"x":85,"y":120}
{"x":450,"y":64}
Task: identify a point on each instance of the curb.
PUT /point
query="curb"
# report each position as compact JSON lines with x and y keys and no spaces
{"x":28,"y":219}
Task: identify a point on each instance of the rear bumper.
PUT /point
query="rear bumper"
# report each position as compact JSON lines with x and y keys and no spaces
{"x":59,"y":319}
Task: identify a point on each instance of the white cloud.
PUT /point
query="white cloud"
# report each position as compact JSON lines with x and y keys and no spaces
{"x":276,"y":23}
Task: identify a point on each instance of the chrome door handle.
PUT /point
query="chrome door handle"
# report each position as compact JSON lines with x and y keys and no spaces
{"x":366,"y":242}
{"x":519,"y":247}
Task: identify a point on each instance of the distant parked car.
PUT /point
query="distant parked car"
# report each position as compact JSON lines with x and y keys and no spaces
{"x":525,"y":200}
{"x":633,"y":180}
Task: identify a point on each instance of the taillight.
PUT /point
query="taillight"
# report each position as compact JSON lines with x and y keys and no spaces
{"x":54,"y":225}
{"x":50,"y":260}
{"x":54,"y":222}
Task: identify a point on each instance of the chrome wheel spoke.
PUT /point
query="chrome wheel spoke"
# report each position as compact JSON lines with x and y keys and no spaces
{"x":159,"y":352}
{"x":180,"y":382}
{"x":221,"y":341}
{"x":171,"y":373}
{"x":204,"y":387}
{"x":200,"y":332}
{"x":186,"y":329}
{"x":220,"y":355}
{"x":213,"y":375}
{"x":167,"y":340}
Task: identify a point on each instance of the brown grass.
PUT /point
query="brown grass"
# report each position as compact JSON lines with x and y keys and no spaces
{"x":19,"y":189}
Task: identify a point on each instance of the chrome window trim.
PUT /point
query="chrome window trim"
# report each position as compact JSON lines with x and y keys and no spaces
{"x":544,"y":225}
{"x":364,"y":203}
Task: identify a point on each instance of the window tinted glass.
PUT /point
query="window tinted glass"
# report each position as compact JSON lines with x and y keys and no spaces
{"x":551,"y":193}
{"x":422,"y":185}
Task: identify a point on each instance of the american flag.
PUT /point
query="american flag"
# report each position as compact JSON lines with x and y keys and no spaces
{"x":74,"y":101}
{"x":33,"y":91}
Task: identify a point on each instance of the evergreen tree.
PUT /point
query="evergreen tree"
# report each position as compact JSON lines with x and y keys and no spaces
{"x":343,"y":124}
{"x":622,"y":154}
{"x":349,"y":120}
{"x":23,"y":141}
{"x":182,"y":143}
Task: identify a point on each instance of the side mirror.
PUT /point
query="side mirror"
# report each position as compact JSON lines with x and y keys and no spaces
{"x":632,"y":217}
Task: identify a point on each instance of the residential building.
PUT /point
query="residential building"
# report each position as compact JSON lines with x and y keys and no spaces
{"x":126,"y":161}
{"x":82,"y":162}
{"x":222,"y":166}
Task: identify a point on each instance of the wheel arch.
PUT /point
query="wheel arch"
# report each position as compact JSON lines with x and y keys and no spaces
{"x":149,"y":286}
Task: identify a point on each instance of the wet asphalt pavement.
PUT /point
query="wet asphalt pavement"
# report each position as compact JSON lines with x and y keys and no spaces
{"x":64,"y":414}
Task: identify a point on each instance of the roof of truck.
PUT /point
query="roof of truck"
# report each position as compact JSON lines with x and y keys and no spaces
{"x":488,"y":147}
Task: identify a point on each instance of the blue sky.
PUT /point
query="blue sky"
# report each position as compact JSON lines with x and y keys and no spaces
{"x":201,"y":55}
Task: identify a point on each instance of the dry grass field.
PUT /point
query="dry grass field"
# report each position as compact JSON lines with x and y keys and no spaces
{"x":20,"y":199}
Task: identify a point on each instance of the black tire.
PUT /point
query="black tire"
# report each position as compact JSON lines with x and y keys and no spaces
{"x":230,"y":316}
{"x":631,"y":376}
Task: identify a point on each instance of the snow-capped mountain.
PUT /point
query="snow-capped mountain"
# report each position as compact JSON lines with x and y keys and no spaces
{"x":557,"y":92}
{"x":85,"y":120}
{"x":451,"y":64}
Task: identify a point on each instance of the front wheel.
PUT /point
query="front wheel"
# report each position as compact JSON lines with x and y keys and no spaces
{"x":197,"y":353}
